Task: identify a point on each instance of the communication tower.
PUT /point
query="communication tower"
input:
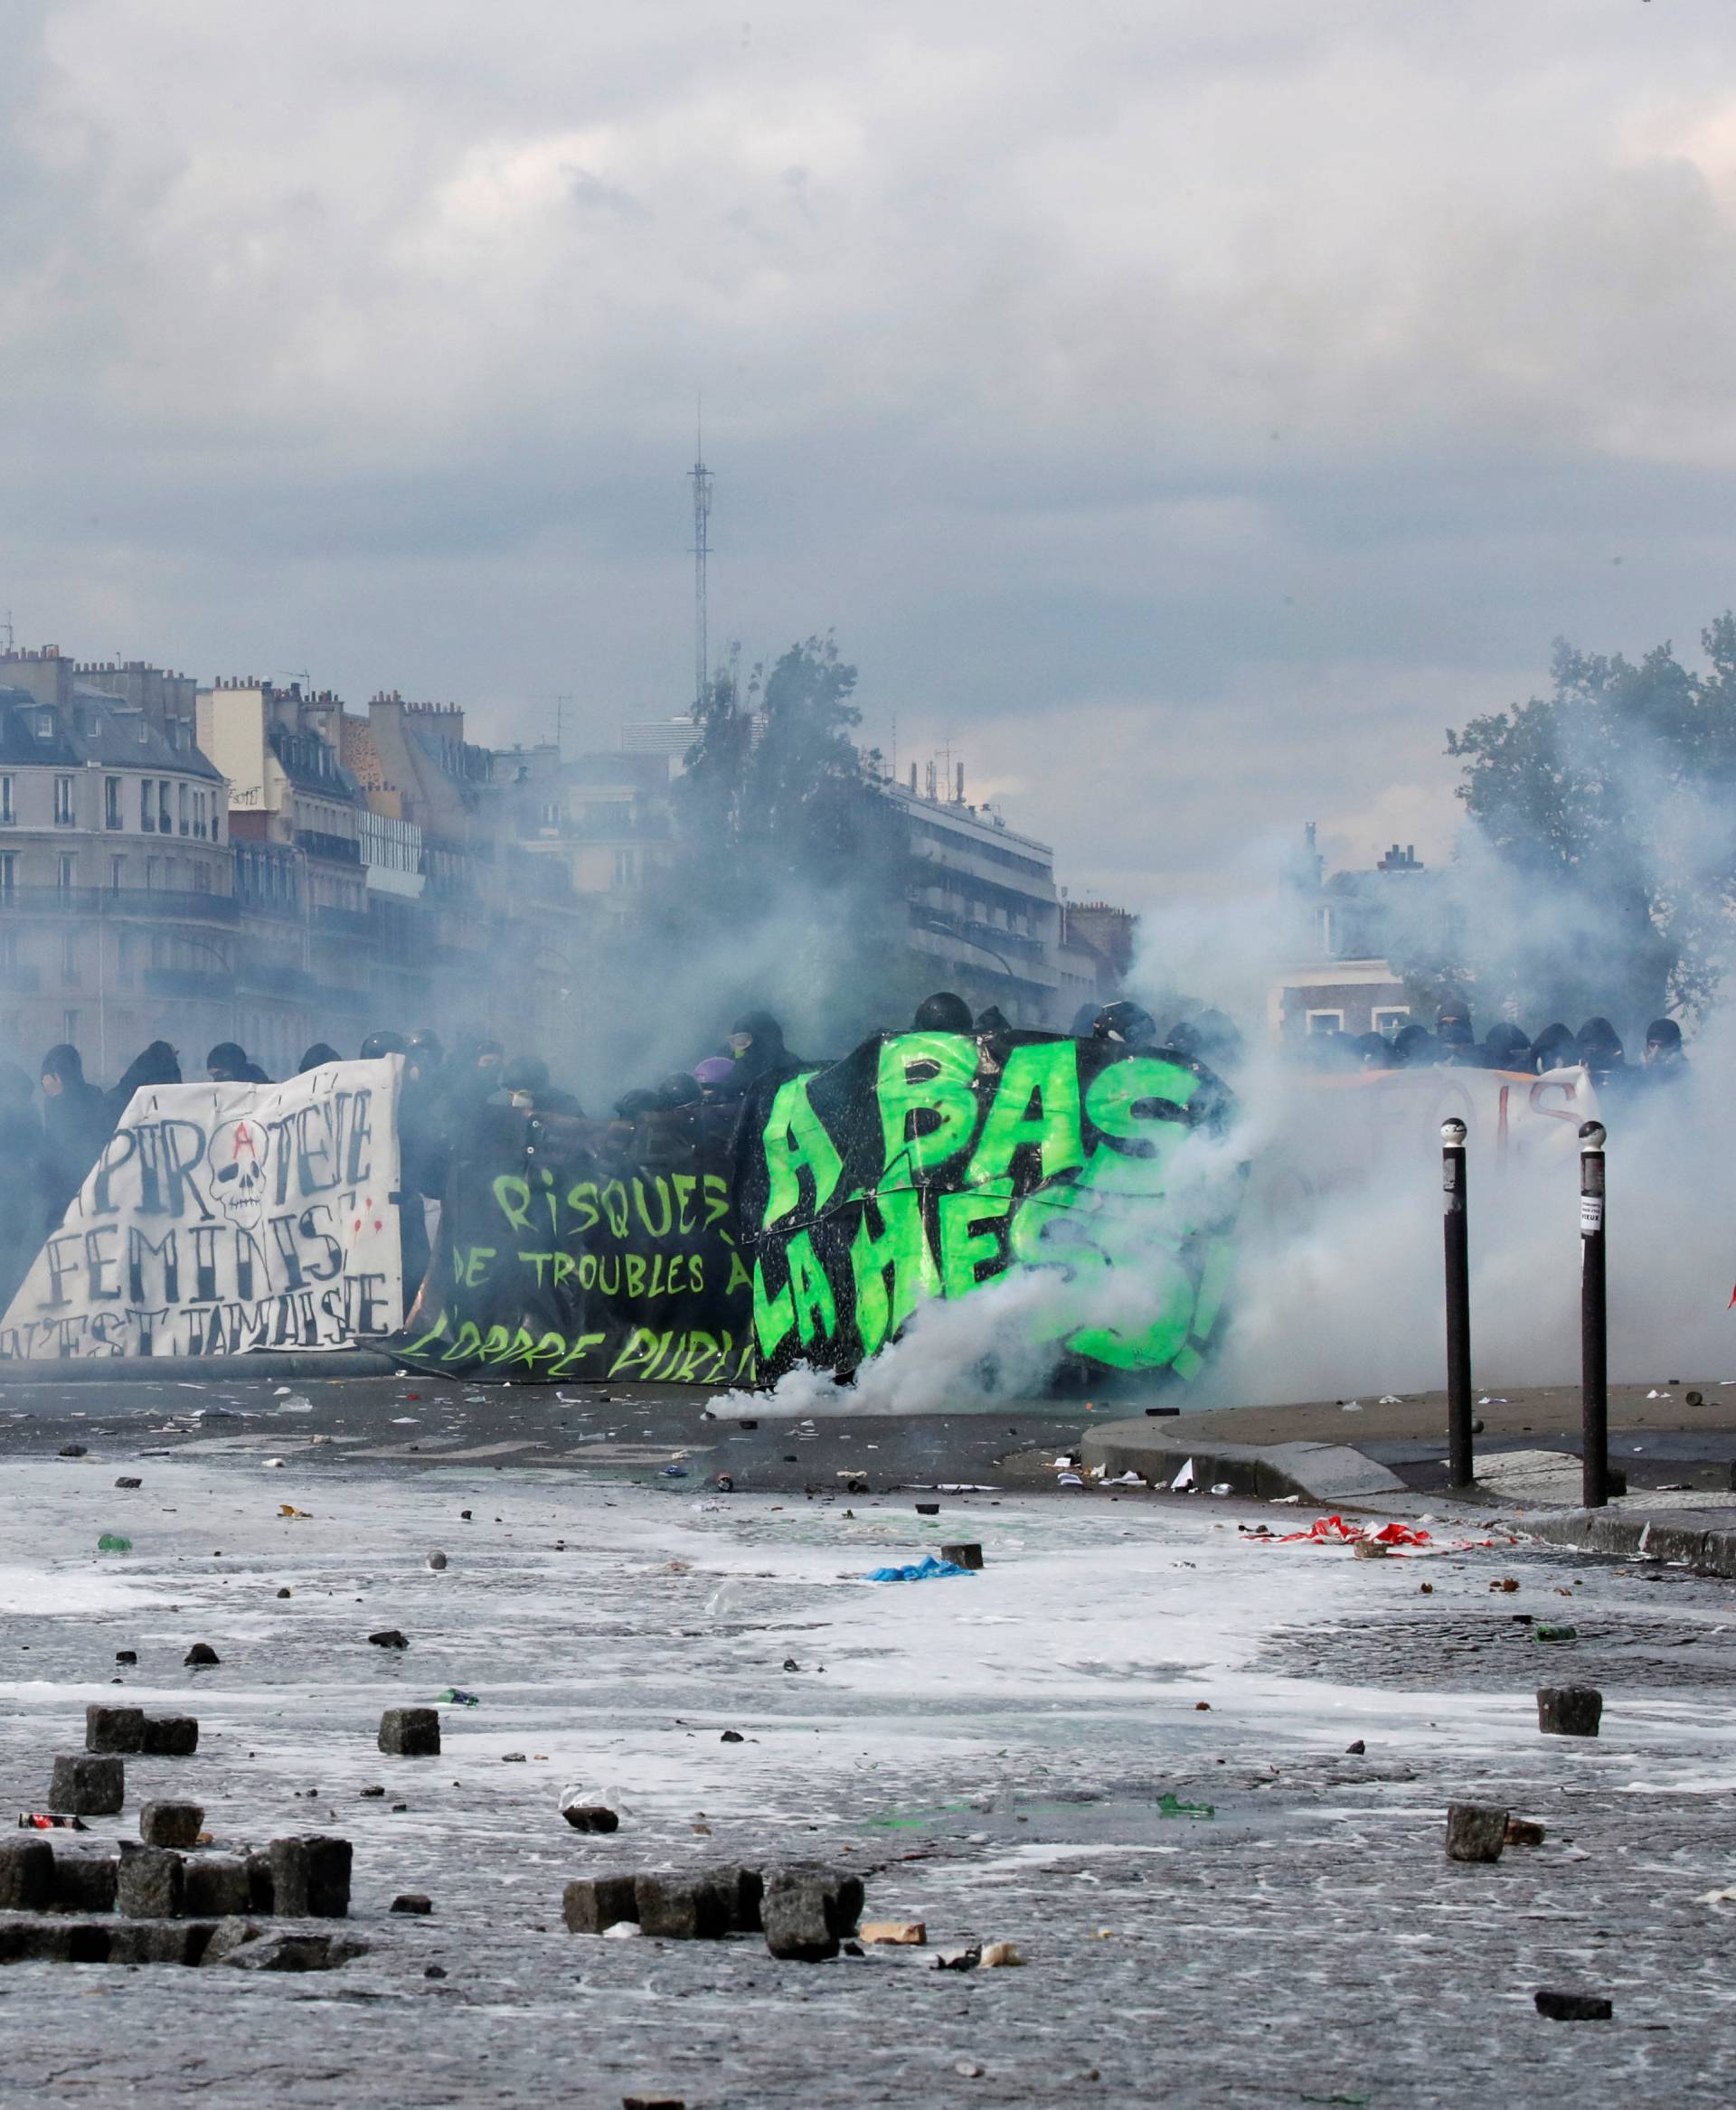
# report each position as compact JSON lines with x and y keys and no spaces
{"x":700,"y":478}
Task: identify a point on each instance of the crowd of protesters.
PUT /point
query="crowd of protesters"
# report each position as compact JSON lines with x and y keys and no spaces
{"x":1596,"y":1047}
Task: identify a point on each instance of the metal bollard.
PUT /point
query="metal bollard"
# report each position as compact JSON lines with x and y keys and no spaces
{"x":1594,"y":1323}
{"x":1459,"y":1303}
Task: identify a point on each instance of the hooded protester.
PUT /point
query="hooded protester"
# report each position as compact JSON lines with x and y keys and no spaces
{"x":757,"y":1043}
{"x":1664,"y":1055}
{"x":227,"y":1063}
{"x":993,"y":1020}
{"x":157,"y":1064}
{"x":1084,"y":1022}
{"x":1505,"y":1047}
{"x":942,"y":1013}
{"x":424,"y":1057}
{"x":1373,"y":1050}
{"x":1600,"y":1050}
{"x":1456,"y":1045}
{"x":1413,"y":1047}
{"x":1210,"y":1037}
{"x":317,"y":1057}
{"x":525,"y":1081}
{"x":1127,"y":1025}
{"x":1555,"y":1048}
{"x":75,"y":1126}
{"x":24,"y":1157}
{"x":715,"y":1077}
{"x":377,"y":1046}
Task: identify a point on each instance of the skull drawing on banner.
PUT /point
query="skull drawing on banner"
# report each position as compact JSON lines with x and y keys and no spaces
{"x":238,"y":1155}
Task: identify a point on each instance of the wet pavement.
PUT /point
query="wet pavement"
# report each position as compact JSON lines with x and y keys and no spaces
{"x":1217,"y":1900}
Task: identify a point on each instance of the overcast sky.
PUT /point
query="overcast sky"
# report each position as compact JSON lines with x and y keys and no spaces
{"x":1186,"y":409}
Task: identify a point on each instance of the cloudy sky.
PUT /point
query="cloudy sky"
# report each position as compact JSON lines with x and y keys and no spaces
{"x":1186,"y":410}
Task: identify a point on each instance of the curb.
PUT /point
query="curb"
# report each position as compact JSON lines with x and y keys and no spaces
{"x":1322,"y":1472}
{"x":1666,"y":1536}
{"x":263,"y":1362}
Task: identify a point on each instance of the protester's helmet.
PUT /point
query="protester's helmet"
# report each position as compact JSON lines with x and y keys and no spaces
{"x":942,"y":1012}
{"x":1129,"y":1024}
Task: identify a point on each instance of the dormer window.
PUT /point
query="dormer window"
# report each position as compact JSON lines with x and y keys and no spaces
{"x":44,"y":725}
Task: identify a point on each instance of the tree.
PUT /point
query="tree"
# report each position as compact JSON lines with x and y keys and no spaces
{"x":1602,"y":872}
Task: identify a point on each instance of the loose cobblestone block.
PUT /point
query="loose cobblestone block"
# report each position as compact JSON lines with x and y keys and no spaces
{"x":414,"y":1903}
{"x":217,"y":1886}
{"x":170,"y":1736}
{"x":150,"y":1883}
{"x":967,"y":1554}
{"x":114,"y":1729}
{"x":53,"y":1941}
{"x":1524,"y":1831}
{"x":310,"y":1877}
{"x":1573,"y":2007}
{"x":295,"y":1951}
{"x":171,"y":1823}
{"x":86,"y":1786}
{"x":261,"y":1891}
{"x":411,"y":1732}
{"x":591,"y":1817}
{"x":1474,"y":1832}
{"x":26,"y":1875}
{"x":159,"y":1940}
{"x":807,"y":1909}
{"x":1568,"y":1711}
{"x":227,"y":1936}
{"x":593,"y":1904}
{"x":745,"y":1889}
{"x":681,"y":1908}
{"x":85,"y":1882}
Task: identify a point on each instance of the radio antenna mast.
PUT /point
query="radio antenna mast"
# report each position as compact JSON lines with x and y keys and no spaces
{"x":700,"y":477}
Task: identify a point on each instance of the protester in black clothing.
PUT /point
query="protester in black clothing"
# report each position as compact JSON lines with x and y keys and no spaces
{"x":1505,"y":1047}
{"x":1084,"y":1022}
{"x":1126,"y":1024}
{"x":317,"y":1057}
{"x":379,"y":1045}
{"x":525,"y":1081}
{"x":993,"y":1020}
{"x":1600,"y":1050}
{"x":1373,"y":1050}
{"x":75,"y":1126}
{"x":1413,"y":1047}
{"x":158,"y":1064}
{"x":1456,"y":1045}
{"x":1665,"y":1057}
{"x":1211,"y":1038}
{"x":227,"y":1063}
{"x":942,"y":1012}
{"x":423,"y":1056}
{"x":1555,"y":1048}
{"x":757,"y":1043}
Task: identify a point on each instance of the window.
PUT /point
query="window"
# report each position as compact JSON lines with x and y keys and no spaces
{"x":150,"y":874}
{"x":1326,"y":1022}
{"x":200,"y":876}
{"x":624,"y":867}
{"x":63,"y":802}
{"x":44,"y":725}
{"x":1388,"y":1018}
{"x":111,"y":802}
{"x":147,"y":804}
{"x":165,"y":812}
{"x":68,"y":873}
{"x":185,"y":802}
{"x":7,"y":817}
{"x":70,"y":958}
{"x":8,"y":874}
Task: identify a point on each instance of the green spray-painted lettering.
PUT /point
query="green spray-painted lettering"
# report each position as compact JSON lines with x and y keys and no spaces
{"x":928,"y":1108}
{"x":796,"y":1140}
{"x":1036,"y":1107}
{"x":965,"y":1245}
{"x":901,"y":1249}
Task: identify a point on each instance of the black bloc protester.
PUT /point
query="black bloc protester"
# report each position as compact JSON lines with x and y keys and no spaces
{"x":1095,"y":1179}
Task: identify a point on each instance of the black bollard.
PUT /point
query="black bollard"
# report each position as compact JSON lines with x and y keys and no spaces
{"x":1458,"y":1303}
{"x":1594,"y":1323}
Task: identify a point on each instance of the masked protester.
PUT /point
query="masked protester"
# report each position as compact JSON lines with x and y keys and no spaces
{"x":1664,"y":1059}
{"x":1211,"y":1038}
{"x":1505,"y":1047}
{"x":1373,"y":1050}
{"x":1084,"y":1022}
{"x":317,"y":1057}
{"x":1600,"y":1050}
{"x":757,"y":1043}
{"x":993,"y":1020}
{"x":75,"y":1126}
{"x":1456,"y":1045}
{"x":525,"y":1081}
{"x":227,"y":1063}
{"x":1413,"y":1047}
{"x":1555,"y":1048}
{"x":378,"y":1046}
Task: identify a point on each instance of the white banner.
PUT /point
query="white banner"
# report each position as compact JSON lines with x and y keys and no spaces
{"x":227,"y":1217}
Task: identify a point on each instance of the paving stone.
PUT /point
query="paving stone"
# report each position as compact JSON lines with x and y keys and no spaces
{"x":114,"y":1729}
{"x":1568,"y":1711}
{"x":1524,"y":1831}
{"x":85,"y":1882}
{"x":217,"y":1886}
{"x":682,"y":1908}
{"x":1573,"y":2007}
{"x":591,"y":1817}
{"x":200,"y":1656}
{"x":388,"y":1637}
{"x":26,"y":1875}
{"x":170,"y":1736}
{"x":413,"y":1902}
{"x":227,"y":1936}
{"x":411,"y":1732}
{"x":295,"y":1951}
{"x":159,"y":1940}
{"x":1474,"y":1832}
{"x":86,"y":1787}
{"x":967,"y":1553}
{"x":746,"y":1888}
{"x":310,"y":1876}
{"x":261,"y":1891}
{"x":55,"y":1941}
{"x":591,"y":1904}
{"x":171,"y":1823}
{"x":807,"y":1909}
{"x":151,"y":1882}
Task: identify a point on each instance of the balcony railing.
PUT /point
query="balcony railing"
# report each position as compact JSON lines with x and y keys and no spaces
{"x":334,"y":849}
{"x":162,"y":903}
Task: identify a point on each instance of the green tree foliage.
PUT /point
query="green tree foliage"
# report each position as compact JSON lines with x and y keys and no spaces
{"x":791,"y":860}
{"x":1605,"y":811}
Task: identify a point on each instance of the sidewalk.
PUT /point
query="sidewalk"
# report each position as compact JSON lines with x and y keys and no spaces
{"x":1676,"y":1450}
